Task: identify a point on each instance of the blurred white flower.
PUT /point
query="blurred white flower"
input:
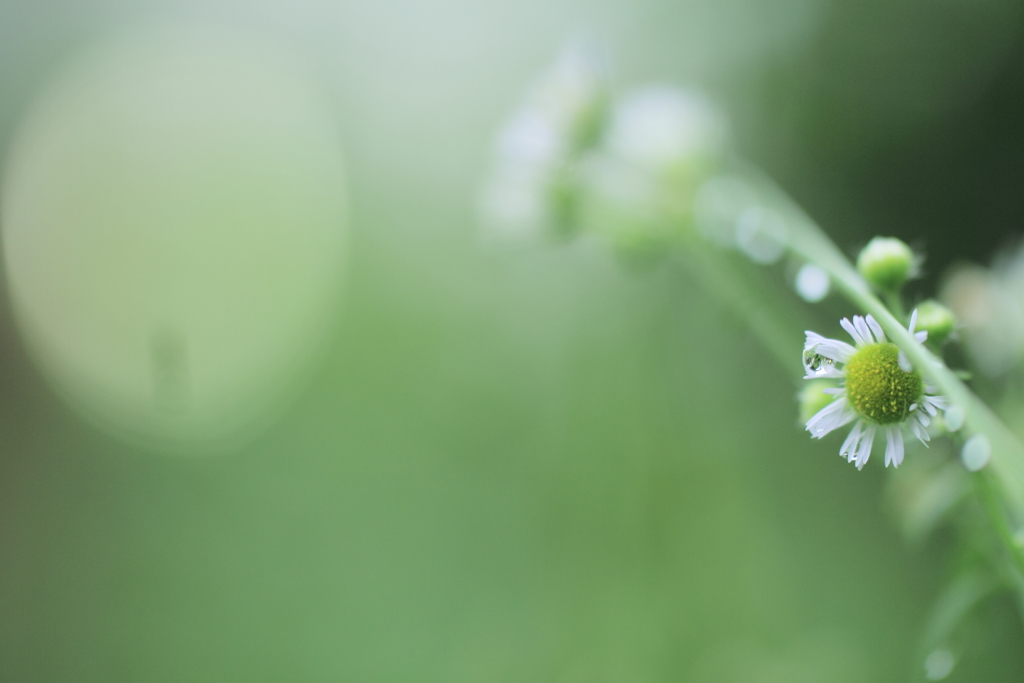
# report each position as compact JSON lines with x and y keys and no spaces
{"x":530,"y":190}
{"x":661,"y":145}
{"x":660,"y":126}
{"x":629,"y":172}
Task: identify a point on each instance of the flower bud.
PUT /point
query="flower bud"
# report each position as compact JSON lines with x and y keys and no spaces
{"x":886,"y":262}
{"x":937,"y":320}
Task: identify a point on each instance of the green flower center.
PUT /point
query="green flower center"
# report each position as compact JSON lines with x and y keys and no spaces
{"x":878,"y":388}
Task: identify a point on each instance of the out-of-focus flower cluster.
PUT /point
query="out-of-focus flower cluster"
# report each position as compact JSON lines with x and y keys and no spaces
{"x":533,"y":191}
{"x":573,"y":159}
{"x":643,"y":171}
{"x":652,"y":170}
{"x":660,"y":145}
{"x":989,"y":304}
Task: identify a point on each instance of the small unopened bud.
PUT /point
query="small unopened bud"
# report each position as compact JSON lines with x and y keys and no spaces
{"x":886,"y":262}
{"x":937,"y":320}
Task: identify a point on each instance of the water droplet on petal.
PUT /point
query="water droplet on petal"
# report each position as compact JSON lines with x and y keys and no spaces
{"x":817,"y":364}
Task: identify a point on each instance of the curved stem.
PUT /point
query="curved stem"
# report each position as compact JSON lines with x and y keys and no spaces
{"x":892,"y":299}
{"x":809,"y":241}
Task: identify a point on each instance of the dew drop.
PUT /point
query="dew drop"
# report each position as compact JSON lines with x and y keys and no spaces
{"x":817,"y":364}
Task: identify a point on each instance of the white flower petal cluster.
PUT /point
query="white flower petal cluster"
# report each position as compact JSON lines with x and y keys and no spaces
{"x":539,"y":140}
{"x":659,"y":126}
{"x":626,"y":169}
{"x":828,"y":358}
{"x":989,"y":304}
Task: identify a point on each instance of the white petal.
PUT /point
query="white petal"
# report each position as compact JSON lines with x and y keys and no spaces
{"x":825,"y":372}
{"x":821,"y":354}
{"x":937,"y":401}
{"x":812,"y":340}
{"x":913,"y":322}
{"x":863,"y":328}
{"x":876,"y":328}
{"x":833,"y":416}
{"x":850,"y":445}
{"x":893,"y":446}
{"x":835,"y":391}
{"x":919,"y":429}
{"x":897,"y":458}
{"x":921,"y":336}
{"x":849,"y":327}
{"x":838,"y":351}
{"x":904,"y":362}
{"x":864,"y":450}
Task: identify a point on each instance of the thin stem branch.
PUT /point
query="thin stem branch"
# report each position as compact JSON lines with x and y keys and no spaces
{"x":895,"y":304}
{"x":810,"y":241}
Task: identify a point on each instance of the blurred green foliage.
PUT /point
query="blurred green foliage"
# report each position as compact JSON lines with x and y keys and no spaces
{"x":533,"y":466}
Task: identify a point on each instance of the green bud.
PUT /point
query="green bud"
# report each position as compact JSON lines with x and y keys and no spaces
{"x":813,"y":398}
{"x":936,"y":319}
{"x":886,"y":262}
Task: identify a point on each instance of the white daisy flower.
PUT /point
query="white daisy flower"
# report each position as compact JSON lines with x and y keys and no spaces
{"x":880,"y":392}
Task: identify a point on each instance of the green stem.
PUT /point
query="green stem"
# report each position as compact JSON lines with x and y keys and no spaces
{"x":895,"y":304}
{"x":809,"y":241}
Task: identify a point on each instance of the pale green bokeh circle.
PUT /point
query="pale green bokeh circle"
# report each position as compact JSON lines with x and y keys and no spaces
{"x":174,"y":221}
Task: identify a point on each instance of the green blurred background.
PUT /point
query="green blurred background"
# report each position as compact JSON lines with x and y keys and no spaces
{"x":530,"y":466}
